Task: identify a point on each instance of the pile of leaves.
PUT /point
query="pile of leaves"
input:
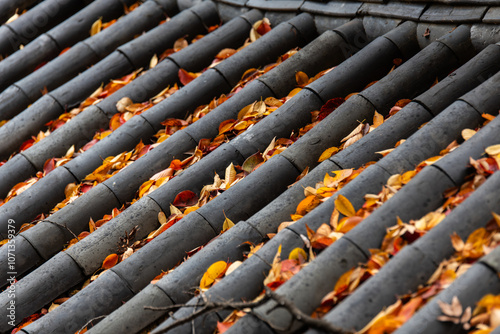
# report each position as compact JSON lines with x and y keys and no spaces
{"x":184,"y":202}
{"x":397,"y":236}
{"x":479,"y":243}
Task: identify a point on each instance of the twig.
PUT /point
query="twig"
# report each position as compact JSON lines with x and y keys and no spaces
{"x":302,"y":317}
{"x":88,"y":322}
{"x":213,"y":306}
{"x":65,"y":227}
{"x":209,"y":306}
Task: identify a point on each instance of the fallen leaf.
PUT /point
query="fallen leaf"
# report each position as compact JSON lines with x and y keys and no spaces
{"x":110,"y":261}
{"x":328,"y":153}
{"x":227,"y":224}
{"x":96,"y":27}
{"x":162,"y":218}
{"x":301,"y":78}
{"x":343,"y":205}
{"x":213,"y":272}
{"x":377,"y":119}
{"x":298,"y":254}
{"x":467,"y":133}
{"x":252,"y":162}
{"x":493,"y":150}
{"x":185,"y":198}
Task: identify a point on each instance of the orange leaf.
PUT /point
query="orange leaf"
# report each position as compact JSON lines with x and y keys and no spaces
{"x":301,"y":78}
{"x":186,"y":77}
{"x":307,"y":204}
{"x":110,"y":261}
{"x":226,"y":126}
{"x":225,"y":53}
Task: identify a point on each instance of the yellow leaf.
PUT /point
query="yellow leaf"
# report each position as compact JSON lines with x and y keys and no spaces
{"x":70,"y":189}
{"x":297,"y":254}
{"x":227,"y":224}
{"x":407,"y":176}
{"x":213,"y":272}
{"x":245,"y":110}
{"x":294,"y":92}
{"x":328,"y":153}
{"x":273,"y":102}
{"x":96,"y":27}
{"x":340,"y":175}
{"x":343,"y":205}
{"x":191,"y":209}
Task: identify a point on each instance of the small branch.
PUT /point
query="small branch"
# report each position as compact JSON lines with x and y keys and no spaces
{"x":302,"y":317}
{"x":88,"y":322}
{"x":212,"y":306}
{"x":65,"y":227}
{"x":209,"y":306}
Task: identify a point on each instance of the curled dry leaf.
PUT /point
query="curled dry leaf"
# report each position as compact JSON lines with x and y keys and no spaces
{"x":123,"y":103}
{"x":259,"y":29}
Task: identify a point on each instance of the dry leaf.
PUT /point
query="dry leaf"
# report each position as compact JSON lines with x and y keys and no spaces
{"x":110,"y":261}
{"x":227,"y":224}
{"x":493,"y":150}
{"x":96,"y":27}
{"x":213,"y":272}
{"x":467,"y":133}
{"x":345,"y":207}
{"x":328,"y":153}
{"x":162,"y":218}
{"x":154,"y":61}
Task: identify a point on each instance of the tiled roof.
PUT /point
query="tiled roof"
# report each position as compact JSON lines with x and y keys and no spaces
{"x":355,"y":120}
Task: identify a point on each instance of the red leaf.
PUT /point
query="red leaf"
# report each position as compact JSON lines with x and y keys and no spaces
{"x":263,"y":28}
{"x":185,"y":198}
{"x":185,"y":77}
{"x":330,"y":106}
{"x":49,"y":166}
{"x":89,"y":144}
{"x":27,"y":144}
